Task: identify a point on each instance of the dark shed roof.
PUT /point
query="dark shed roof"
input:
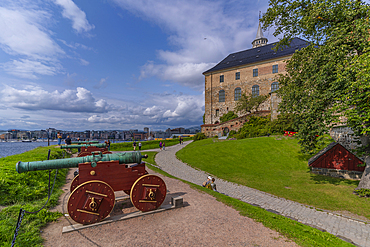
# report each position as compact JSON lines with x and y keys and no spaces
{"x":258,"y":54}
{"x":321,"y":152}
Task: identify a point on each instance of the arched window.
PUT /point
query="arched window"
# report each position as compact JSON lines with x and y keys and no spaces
{"x":274,"y":86}
{"x":255,"y":90}
{"x":237,"y":93}
{"x":221,"y":96}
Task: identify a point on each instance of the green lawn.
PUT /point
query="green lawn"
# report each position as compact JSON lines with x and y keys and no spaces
{"x":277,"y":167}
{"x":127,"y":146}
{"x":28,"y":191}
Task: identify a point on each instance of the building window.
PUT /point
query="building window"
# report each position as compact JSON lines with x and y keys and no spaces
{"x":275,"y":69}
{"x":217,"y":112}
{"x":274,"y":86}
{"x":237,"y":93}
{"x":221,"y":78}
{"x":255,"y":91}
{"x":237,"y":75}
{"x":221,"y":96}
{"x":255,"y":72}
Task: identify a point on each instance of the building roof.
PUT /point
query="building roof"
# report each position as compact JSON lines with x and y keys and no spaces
{"x":326,"y":149}
{"x":258,"y":54}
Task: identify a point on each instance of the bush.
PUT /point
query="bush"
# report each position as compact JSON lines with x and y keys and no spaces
{"x":261,"y":126}
{"x":199,"y":136}
{"x":228,"y":116}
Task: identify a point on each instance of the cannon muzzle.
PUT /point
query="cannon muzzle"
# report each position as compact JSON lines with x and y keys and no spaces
{"x":98,"y":145}
{"x":123,"y":158}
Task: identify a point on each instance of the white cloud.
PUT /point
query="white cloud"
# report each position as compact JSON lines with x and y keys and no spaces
{"x":84,"y":62}
{"x":76,"y":15}
{"x":25,"y":68}
{"x":187,"y":74}
{"x":22,"y":34}
{"x":35,"y":98}
{"x":102,"y":83}
{"x":202,"y":33}
{"x":167,"y":110}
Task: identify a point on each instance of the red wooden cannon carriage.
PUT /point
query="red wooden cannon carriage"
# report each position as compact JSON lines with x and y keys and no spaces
{"x":100,"y":175}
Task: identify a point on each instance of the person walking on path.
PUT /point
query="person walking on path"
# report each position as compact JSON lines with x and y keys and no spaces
{"x":108,"y":144}
{"x":78,"y":149}
{"x":160,"y":145}
{"x":134,"y":145}
{"x":59,"y":136}
{"x":139,"y":145}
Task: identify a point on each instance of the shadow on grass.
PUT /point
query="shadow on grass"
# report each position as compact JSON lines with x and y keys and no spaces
{"x":321,"y":179}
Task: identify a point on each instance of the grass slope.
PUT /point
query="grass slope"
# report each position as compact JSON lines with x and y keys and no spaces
{"x":277,"y":167}
{"x":28,"y":191}
{"x":127,"y":146}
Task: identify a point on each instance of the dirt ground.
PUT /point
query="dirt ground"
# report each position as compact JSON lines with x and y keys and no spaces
{"x":202,"y":221}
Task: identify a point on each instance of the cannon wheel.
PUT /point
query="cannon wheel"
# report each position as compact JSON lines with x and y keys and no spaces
{"x":148,"y":192}
{"x":83,"y":154}
{"x":75,"y":182}
{"x":91,"y":202}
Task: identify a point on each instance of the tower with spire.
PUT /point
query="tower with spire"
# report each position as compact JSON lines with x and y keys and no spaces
{"x":260,"y":40}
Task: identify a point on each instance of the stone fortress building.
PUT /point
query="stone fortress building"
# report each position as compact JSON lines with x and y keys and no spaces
{"x":253,"y":72}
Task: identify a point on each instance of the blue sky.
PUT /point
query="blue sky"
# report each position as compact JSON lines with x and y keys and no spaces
{"x":115,"y":64}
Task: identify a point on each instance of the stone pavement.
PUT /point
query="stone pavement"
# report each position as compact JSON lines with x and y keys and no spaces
{"x":348,"y":229}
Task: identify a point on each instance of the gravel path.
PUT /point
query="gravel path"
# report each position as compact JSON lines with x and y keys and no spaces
{"x":349,"y":229}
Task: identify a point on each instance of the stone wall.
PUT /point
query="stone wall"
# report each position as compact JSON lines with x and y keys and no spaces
{"x":345,"y":136}
{"x":211,"y":130}
{"x":337,"y":173}
{"x":215,"y":109}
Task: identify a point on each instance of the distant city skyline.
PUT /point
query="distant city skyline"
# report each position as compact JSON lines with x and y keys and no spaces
{"x":115,"y":64}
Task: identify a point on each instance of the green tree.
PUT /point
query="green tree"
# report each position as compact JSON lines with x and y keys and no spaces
{"x":329,"y":78}
{"x":248,"y":103}
{"x":228,"y":116}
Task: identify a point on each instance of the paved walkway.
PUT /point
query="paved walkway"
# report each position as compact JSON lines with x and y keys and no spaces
{"x":348,"y":229}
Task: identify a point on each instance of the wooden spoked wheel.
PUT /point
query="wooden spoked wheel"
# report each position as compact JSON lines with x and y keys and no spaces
{"x":91,"y":202}
{"x":148,"y":192}
{"x":83,"y":154}
{"x":75,"y":182}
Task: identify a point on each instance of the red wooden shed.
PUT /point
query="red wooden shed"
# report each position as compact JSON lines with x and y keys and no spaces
{"x":335,"y":156}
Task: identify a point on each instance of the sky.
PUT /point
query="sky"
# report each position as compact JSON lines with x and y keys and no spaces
{"x":115,"y":64}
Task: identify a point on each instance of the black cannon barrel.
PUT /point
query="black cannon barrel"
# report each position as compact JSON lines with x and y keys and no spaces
{"x":98,"y":145}
{"x":123,"y":158}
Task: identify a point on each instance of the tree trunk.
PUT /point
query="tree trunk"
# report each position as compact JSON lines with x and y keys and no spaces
{"x":365,"y":179}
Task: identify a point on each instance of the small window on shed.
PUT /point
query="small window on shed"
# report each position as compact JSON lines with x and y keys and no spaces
{"x":221,"y":78}
{"x":255,"y":72}
{"x":217,"y":112}
{"x":237,"y":75}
